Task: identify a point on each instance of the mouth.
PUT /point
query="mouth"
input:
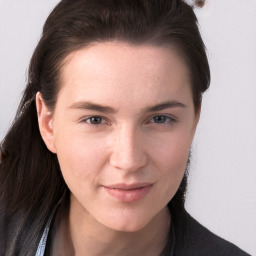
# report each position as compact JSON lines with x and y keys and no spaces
{"x":128,"y":193}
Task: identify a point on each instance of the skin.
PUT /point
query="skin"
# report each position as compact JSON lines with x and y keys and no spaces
{"x":133,"y":143}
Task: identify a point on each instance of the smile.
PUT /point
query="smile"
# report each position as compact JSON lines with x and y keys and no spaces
{"x":129,"y":193}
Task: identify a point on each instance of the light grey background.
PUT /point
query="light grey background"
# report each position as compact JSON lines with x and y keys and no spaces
{"x":222,"y":183}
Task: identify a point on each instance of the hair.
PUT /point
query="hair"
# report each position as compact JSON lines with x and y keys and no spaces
{"x":31,"y":182}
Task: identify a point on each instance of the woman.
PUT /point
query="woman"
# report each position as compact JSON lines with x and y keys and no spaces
{"x":98,"y":152}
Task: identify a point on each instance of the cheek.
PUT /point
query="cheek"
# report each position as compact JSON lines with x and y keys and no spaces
{"x":170,"y":160}
{"x":171,"y":151}
{"x":80,"y":157}
{"x":173,"y":165}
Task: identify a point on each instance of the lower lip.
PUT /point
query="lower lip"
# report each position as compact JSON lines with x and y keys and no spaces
{"x":131,"y":195}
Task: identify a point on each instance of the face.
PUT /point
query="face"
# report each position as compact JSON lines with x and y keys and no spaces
{"x":122,"y":129}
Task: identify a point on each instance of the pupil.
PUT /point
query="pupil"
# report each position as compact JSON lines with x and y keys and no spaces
{"x":95,"y":120}
{"x":160,"y":119}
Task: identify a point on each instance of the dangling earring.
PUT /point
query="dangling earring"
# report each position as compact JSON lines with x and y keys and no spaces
{"x":199,"y":3}
{"x":193,"y":3}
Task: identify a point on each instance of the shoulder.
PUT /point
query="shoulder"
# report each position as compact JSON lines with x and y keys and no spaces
{"x":2,"y":231}
{"x":15,"y":235}
{"x":193,"y":239}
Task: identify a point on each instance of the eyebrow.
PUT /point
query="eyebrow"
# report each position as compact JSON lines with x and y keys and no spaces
{"x":88,"y":105}
{"x":165,"y":105}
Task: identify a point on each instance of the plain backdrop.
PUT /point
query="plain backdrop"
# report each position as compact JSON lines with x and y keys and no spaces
{"x":222,"y":182}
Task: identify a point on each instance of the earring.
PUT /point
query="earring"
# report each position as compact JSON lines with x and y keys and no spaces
{"x":199,"y":3}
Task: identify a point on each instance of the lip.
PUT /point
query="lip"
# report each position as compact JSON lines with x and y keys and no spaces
{"x":128,"y":192}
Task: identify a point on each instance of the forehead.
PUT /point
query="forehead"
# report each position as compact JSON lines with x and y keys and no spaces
{"x":117,"y":71}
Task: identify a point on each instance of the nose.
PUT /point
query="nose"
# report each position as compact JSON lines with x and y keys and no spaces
{"x":128,"y":152}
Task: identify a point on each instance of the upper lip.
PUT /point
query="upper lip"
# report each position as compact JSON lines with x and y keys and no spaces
{"x":123,"y":186}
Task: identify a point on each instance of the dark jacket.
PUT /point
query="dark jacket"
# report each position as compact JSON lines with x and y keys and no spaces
{"x":188,"y":238}
{"x":193,"y":239}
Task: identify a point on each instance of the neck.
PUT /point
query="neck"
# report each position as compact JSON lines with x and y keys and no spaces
{"x":77,"y":233}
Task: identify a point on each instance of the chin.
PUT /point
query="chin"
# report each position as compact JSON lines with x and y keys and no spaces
{"x":125,"y":222}
{"x":127,"y":227}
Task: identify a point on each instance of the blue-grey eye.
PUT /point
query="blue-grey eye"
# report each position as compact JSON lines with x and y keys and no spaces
{"x":160,"y":119}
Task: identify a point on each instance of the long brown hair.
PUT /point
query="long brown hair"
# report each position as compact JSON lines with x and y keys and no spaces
{"x":31,"y":183}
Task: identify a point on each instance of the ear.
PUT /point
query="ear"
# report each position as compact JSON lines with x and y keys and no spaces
{"x":197,"y":117}
{"x":198,"y":113}
{"x":45,"y":122}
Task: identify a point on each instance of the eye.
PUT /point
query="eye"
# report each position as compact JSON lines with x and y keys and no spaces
{"x":95,"y":120}
{"x":162,"y":119}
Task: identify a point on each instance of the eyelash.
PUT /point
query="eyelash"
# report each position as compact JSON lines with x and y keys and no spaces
{"x":168,"y":120}
{"x":85,"y":120}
